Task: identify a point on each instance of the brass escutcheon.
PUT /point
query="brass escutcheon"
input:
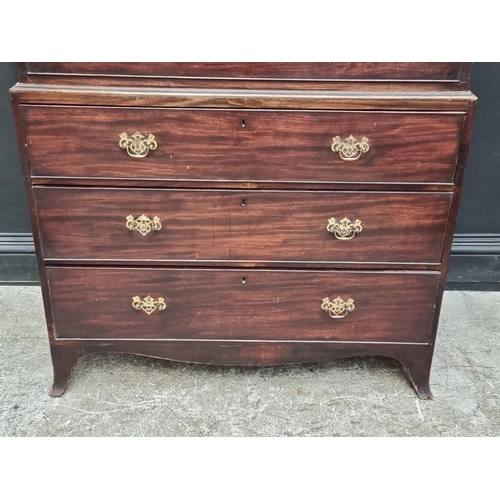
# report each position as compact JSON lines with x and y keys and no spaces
{"x":337,"y":308}
{"x":344,"y":229}
{"x":143,"y":224}
{"x":137,"y":145}
{"x":148,"y":304}
{"x":350,"y":149}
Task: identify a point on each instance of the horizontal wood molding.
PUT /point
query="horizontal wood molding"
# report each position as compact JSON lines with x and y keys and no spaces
{"x":29,"y":93}
{"x":475,"y":261}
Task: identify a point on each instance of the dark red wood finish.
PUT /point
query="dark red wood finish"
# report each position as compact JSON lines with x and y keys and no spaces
{"x":239,"y":225}
{"x":425,"y":288}
{"x":213,"y":145}
{"x":308,"y":75}
{"x":137,"y":97}
{"x":254,"y":186}
{"x":416,"y":358}
{"x":263,"y":70}
{"x":242,"y":304}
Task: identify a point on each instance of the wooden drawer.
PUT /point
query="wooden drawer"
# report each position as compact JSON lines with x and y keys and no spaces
{"x":273,"y":146}
{"x":234,"y":225}
{"x":242,"y":305}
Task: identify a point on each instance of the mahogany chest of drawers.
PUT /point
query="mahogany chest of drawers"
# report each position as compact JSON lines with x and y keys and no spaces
{"x":243,"y":213}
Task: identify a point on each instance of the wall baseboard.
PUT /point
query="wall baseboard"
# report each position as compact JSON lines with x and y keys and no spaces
{"x":471,"y":244}
{"x":475,"y":262}
{"x":474,"y":265}
{"x":17,"y":259}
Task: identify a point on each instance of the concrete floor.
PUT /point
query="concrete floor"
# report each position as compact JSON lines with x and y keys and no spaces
{"x":122,"y":395}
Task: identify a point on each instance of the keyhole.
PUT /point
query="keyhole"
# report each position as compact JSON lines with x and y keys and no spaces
{"x":243,"y":122}
{"x":243,"y":202}
{"x":244,"y":279}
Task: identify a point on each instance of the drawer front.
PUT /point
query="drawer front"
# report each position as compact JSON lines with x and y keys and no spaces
{"x":213,"y":145}
{"x":447,"y":71}
{"x":225,"y":225}
{"x":242,"y":305}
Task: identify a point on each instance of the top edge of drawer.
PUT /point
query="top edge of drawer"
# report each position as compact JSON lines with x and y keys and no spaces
{"x":290,"y":75}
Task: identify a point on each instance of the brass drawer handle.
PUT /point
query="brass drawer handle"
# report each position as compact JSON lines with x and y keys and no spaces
{"x":344,"y":229}
{"x":337,"y":308}
{"x":148,"y":304}
{"x":350,"y":149}
{"x":143,"y":224}
{"x":137,"y":145}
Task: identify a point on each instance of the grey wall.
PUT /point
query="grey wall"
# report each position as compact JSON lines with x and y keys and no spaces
{"x":475,"y":260}
{"x":480,"y":207}
{"x":13,"y":204}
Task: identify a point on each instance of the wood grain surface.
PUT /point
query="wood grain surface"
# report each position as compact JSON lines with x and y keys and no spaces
{"x":280,"y":75}
{"x":416,"y":358}
{"x":241,"y":263}
{"x":239,"y":225}
{"x":213,"y":145}
{"x":375,"y":99}
{"x":242,"y":304}
{"x":260,"y":70}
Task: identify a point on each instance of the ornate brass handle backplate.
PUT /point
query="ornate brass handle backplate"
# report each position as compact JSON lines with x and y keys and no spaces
{"x":350,"y":149}
{"x":143,"y":224}
{"x":137,"y":145}
{"x":148,"y":304}
{"x":344,"y":229}
{"x":337,"y":308}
